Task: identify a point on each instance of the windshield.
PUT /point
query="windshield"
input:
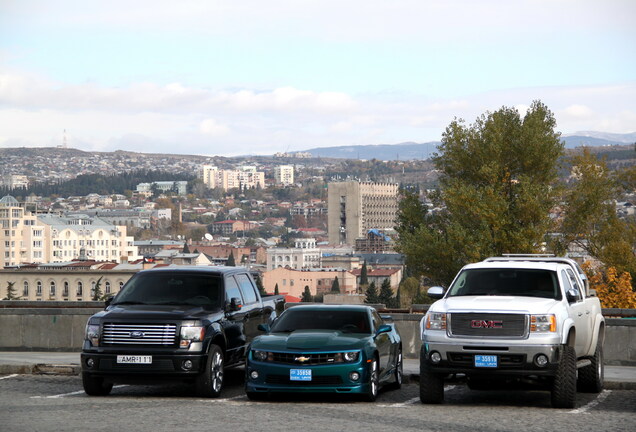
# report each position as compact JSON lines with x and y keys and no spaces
{"x":345,"y":321}
{"x":164,"y":288}
{"x":506,"y":282}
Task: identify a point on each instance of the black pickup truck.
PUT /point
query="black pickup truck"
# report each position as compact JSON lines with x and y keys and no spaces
{"x":184,"y":323}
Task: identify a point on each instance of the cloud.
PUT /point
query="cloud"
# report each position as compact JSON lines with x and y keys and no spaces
{"x":212,"y":127}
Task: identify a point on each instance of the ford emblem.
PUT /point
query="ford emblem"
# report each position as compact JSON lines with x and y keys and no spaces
{"x":136,"y":334}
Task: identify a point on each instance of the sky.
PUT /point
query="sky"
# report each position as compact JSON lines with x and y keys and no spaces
{"x":237,"y":77}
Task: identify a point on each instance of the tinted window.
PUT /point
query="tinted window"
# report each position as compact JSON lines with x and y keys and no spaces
{"x":506,"y":282}
{"x":343,"y":320}
{"x":172,"y":288}
{"x":567,"y":285}
{"x":377,"y":320}
{"x":232,"y":290}
{"x":246,"y":288}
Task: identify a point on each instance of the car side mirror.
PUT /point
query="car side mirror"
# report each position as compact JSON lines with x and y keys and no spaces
{"x":263,"y":328}
{"x":384,"y":328}
{"x":108,"y":301}
{"x":435,"y":292}
{"x":235,"y":304}
{"x":572,"y":295}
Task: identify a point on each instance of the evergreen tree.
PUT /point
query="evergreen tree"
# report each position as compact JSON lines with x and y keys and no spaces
{"x":371,"y":295}
{"x":276,"y":290}
{"x":306,"y":297}
{"x":230,"y":260}
{"x":186,"y":249}
{"x":12,"y":292}
{"x":259,"y":285}
{"x":364,"y":278}
{"x":335,"y":287}
{"x":97,"y":290}
{"x":386,"y":293}
{"x":398,"y":298}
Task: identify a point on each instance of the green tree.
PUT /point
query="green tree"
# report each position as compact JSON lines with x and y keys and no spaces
{"x":230,"y":260}
{"x":335,"y":286}
{"x":306,"y":297}
{"x":496,"y":189}
{"x":97,"y":290}
{"x":386,"y":293}
{"x":371,"y":295}
{"x":276,"y":290}
{"x":12,"y":292}
{"x":186,"y":249}
{"x":259,"y":285}
{"x":364,"y":278}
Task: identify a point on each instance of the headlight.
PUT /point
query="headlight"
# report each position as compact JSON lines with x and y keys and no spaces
{"x":435,"y":321}
{"x":350,"y":356}
{"x":543,"y":323}
{"x":92,"y":334}
{"x":191,"y":334}
{"x":260,"y":355}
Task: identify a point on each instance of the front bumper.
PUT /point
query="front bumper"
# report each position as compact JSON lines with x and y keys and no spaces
{"x":163,"y":366}
{"x":332,"y":378}
{"x":512,"y":360}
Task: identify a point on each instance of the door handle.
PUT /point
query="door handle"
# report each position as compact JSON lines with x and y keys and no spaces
{"x":580,"y":313}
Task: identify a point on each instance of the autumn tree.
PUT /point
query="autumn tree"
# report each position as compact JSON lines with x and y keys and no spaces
{"x":495,"y":189}
{"x":613,"y":289}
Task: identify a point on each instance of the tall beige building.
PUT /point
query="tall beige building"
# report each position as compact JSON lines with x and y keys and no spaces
{"x":26,"y":237}
{"x":284,"y":175}
{"x":245,"y":177}
{"x":356,"y":207}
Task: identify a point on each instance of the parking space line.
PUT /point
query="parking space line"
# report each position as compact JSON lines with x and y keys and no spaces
{"x":69,"y":394}
{"x":585,"y":408}
{"x":9,"y":376}
{"x":410,"y":401}
{"x":224,"y":399}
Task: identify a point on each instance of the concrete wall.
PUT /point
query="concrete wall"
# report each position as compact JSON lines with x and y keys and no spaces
{"x":57,"y":328}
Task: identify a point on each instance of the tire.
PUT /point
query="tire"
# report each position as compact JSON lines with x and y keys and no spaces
{"x":431,"y":384}
{"x":564,"y":384}
{"x":374,"y":382}
{"x":95,"y":386}
{"x":398,"y":374}
{"x":210,"y":383}
{"x":592,"y":378}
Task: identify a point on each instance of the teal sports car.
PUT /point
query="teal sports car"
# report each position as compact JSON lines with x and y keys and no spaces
{"x":347,"y":349}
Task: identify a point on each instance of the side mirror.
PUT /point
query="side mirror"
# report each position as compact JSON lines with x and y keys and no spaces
{"x":235,"y":304}
{"x":263,"y":328}
{"x":108,"y":301}
{"x":572,"y":295}
{"x":435,"y":292}
{"x":384,"y":328}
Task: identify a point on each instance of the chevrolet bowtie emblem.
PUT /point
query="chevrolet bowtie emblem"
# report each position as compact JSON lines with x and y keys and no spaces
{"x":302,"y":359}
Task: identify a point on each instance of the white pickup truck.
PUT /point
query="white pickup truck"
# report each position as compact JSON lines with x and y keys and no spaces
{"x":515,"y":319}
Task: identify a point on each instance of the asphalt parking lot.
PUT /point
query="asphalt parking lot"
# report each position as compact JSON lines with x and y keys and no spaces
{"x":57,"y":403}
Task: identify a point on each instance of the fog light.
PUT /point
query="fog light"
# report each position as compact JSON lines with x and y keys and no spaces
{"x":254,"y":375}
{"x":435,"y":357}
{"x":186,"y":365}
{"x":354,"y":376}
{"x":541,"y":360}
{"x":90,"y":363}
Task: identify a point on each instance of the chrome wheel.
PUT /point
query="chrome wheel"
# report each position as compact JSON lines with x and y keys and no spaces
{"x":216,"y":372}
{"x":372,"y":393}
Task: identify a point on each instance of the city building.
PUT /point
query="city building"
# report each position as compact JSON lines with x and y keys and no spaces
{"x":177,"y":187}
{"x":245,"y":177}
{"x":293,"y":282}
{"x":15,"y":181}
{"x":22,"y":238}
{"x":374,"y":242}
{"x":303,"y":255}
{"x":356,"y":207}
{"x":284,"y":175}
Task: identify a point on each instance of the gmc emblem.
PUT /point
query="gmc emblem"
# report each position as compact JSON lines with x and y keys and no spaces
{"x":486,"y":324}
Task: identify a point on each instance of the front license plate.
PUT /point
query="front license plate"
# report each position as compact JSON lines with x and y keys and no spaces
{"x":134,"y":359}
{"x":300,"y":374}
{"x":486,"y":361}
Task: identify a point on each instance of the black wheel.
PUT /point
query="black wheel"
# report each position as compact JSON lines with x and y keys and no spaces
{"x":210,"y":383}
{"x":374,"y":383}
{"x":431,"y":384}
{"x":398,"y":374}
{"x":95,"y":386}
{"x":564,"y":384}
{"x":256,"y":396}
{"x":592,"y":378}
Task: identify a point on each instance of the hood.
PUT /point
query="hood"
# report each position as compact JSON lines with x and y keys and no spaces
{"x":503,"y":304}
{"x":155,"y":312}
{"x":310,"y":340}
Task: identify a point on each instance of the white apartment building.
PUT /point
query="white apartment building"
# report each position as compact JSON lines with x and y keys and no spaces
{"x":15,"y":181}
{"x":305,"y":255}
{"x":245,"y":177}
{"x":284,"y":175}
{"x":178,"y":187}
{"x":26,"y":237}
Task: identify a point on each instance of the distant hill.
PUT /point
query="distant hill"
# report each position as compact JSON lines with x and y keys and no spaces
{"x":412,"y":150}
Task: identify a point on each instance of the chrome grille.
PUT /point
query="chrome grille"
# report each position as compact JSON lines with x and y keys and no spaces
{"x":507,"y":325}
{"x":139,"y":334}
